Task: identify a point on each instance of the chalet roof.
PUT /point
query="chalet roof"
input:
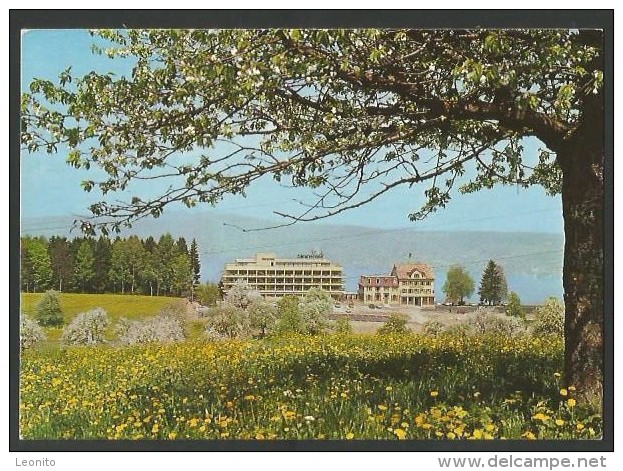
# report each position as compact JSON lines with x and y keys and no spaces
{"x":404,"y":270}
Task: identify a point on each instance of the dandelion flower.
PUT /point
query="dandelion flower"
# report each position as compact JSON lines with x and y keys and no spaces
{"x":400,"y":433}
{"x":434,"y":393}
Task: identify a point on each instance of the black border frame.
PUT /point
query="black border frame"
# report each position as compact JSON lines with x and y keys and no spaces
{"x":74,"y":19}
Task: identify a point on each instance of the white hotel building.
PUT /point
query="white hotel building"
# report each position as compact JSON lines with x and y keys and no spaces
{"x":277,"y":277}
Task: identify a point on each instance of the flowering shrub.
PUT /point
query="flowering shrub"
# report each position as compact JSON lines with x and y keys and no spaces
{"x":162,"y":328}
{"x":549,"y":319}
{"x":87,"y":328}
{"x":495,"y":323}
{"x":227,"y":321}
{"x":30,"y":333}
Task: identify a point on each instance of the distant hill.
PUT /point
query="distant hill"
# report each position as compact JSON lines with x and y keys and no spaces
{"x":532,"y":261}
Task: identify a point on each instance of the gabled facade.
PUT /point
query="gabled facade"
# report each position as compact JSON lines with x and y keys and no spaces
{"x":409,"y":284}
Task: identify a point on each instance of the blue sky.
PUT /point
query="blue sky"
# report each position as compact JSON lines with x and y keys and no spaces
{"x":52,"y":188}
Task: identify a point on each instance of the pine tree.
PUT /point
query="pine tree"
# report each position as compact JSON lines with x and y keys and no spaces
{"x":492,"y":285}
{"x":194,"y":261}
{"x":195,"y":267}
{"x":181,"y":246}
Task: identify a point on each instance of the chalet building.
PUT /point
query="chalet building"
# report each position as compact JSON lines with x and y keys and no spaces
{"x":411,"y":284}
{"x":277,"y":277}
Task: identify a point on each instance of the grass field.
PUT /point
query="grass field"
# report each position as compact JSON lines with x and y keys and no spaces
{"x":324,"y":387}
{"x":116,"y":305}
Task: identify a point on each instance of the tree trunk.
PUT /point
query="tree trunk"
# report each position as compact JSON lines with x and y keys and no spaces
{"x":581,"y":159}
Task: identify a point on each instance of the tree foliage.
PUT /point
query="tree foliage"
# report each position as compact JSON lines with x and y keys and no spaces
{"x":318,"y":107}
{"x":289,"y":319}
{"x":514,"y":308}
{"x":87,"y":265}
{"x":352,"y":114}
{"x":30,"y":333}
{"x":84,"y":267}
{"x":262,"y":317}
{"x":48,"y":311}
{"x":36,"y":266}
{"x":241,"y":295}
{"x":315,"y":308}
{"x":208,"y":294}
{"x":87,"y":328}
{"x":549,"y":319}
{"x":493,"y":287}
{"x":459,"y":285}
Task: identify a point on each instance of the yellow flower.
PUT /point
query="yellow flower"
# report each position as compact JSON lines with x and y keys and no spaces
{"x":529,"y":436}
{"x":571,"y":388}
{"x":350,"y":436}
{"x":477,"y":434}
{"x":172,"y":435}
{"x":451,"y":435}
{"x":580,"y":426}
{"x":382,"y":407}
{"x":434,"y":393}
{"x":541,"y":416}
{"x":400,"y":433}
{"x":563,"y":392}
{"x":560,"y":422}
{"x":571,"y":403}
{"x":388,"y":388}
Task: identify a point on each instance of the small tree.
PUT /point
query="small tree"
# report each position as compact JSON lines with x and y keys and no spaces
{"x":494,"y":323}
{"x":262,"y":317}
{"x":459,"y":285}
{"x":87,"y":328}
{"x":549,"y":318}
{"x":315,"y":308}
{"x":241,"y":294}
{"x":514,"y":308}
{"x":396,"y":324}
{"x":30,"y":333}
{"x":48,"y":311}
{"x":493,"y":287}
{"x":207,"y":294}
{"x":289,"y":320}
{"x":227,"y":321}
{"x":162,"y":329}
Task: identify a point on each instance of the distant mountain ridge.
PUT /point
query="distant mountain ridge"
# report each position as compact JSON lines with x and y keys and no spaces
{"x":361,"y":250}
